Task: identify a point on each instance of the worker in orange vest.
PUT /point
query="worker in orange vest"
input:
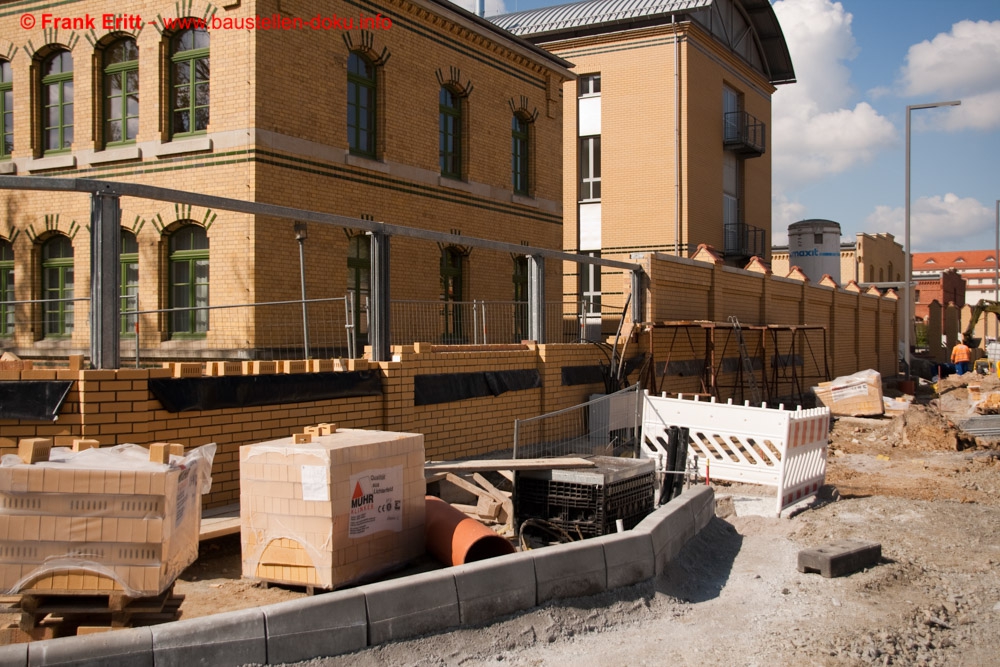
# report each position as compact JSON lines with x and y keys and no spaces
{"x":961,"y":355}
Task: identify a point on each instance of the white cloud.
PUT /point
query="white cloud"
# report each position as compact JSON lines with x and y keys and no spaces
{"x":491,"y":7}
{"x":961,"y":64}
{"x":936,"y":223}
{"x":783,"y":213}
{"x":816,"y":131}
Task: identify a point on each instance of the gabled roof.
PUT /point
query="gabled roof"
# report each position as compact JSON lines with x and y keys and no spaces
{"x":967,"y":259}
{"x":592,"y":17}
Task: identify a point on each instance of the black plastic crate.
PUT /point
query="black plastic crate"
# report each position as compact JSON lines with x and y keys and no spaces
{"x":587,"y":502}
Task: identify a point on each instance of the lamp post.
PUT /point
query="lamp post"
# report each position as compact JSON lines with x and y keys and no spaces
{"x":908,"y":295}
{"x":996,"y":276}
{"x":301,"y":235}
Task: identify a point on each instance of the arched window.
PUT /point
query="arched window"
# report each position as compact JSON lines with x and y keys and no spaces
{"x":189,"y":74}
{"x":129,"y":259}
{"x":452,"y":284}
{"x":6,"y":109}
{"x":189,"y":281}
{"x":358,"y":272}
{"x":121,"y":92}
{"x":57,"y":102}
{"x":360,"y":105}
{"x":519,"y":154}
{"x":57,"y":286}
{"x":6,"y":288}
{"x":450,"y":133}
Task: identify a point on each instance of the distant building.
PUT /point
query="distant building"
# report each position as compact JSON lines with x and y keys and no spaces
{"x":977,"y":267}
{"x":870,"y":258}
{"x":944,"y":287}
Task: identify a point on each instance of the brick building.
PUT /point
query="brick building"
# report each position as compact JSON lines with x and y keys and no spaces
{"x":869,"y":258}
{"x":977,"y":267}
{"x":946,"y":287}
{"x":418,"y":114}
{"x":666,"y":129}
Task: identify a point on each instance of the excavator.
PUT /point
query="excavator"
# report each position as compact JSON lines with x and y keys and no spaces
{"x":984,"y":306}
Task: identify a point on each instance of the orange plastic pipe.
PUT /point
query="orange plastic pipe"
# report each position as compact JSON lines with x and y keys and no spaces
{"x":454,"y":538}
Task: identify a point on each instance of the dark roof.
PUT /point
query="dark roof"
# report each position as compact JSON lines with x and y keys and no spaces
{"x":590,"y":17}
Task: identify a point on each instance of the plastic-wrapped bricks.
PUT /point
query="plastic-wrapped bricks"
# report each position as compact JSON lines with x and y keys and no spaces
{"x":100,"y":521}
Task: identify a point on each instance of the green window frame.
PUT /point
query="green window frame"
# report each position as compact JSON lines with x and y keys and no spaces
{"x":57,"y":102}
{"x":452,"y":286}
{"x":361,"y":102}
{"x":520,"y":280}
{"x":189,"y":83}
{"x":188,"y":265}
{"x":6,"y":109}
{"x":121,"y":92}
{"x":129,"y":286}
{"x":519,"y":135}
{"x":6,"y":288}
{"x":57,"y":287}
{"x":450,"y":133}
{"x":358,"y":276}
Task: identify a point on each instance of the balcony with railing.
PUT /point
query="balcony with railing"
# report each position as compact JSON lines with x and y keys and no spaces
{"x":744,"y":134}
{"x":743,"y":241}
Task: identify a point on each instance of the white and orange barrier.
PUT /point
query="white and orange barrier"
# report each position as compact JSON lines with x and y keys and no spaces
{"x":781,"y":448}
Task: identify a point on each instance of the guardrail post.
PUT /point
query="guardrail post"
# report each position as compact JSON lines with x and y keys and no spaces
{"x":105,"y":279}
{"x":378,"y":323}
{"x":536,"y":298}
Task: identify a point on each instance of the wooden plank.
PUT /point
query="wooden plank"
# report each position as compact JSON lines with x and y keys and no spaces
{"x":220,"y":521}
{"x":558,"y":463}
{"x":468,"y":486}
{"x":500,"y":496}
{"x":507,"y":475}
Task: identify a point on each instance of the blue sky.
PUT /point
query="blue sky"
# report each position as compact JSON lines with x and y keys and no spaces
{"x":839,"y":132}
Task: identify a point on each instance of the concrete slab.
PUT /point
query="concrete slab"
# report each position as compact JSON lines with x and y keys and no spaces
{"x":121,"y":648}
{"x":495,"y":587}
{"x":570,"y":570}
{"x":628,"y":557}
{"x":321,"y":625}
{"x":234,"y":638}
{"x":411,"y":606}
{"x":839,"y":558}
{"x":14,"y":655}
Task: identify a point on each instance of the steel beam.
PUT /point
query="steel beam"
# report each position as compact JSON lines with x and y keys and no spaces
{"x":536,"y":298}
{"x":378,"y":323}
{"x":105,"y":278}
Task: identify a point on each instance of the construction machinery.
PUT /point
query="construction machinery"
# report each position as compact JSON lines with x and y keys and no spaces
{"x":984,"y":306}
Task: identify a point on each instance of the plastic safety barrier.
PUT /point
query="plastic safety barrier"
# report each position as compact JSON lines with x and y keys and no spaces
{"x":775,"y":447}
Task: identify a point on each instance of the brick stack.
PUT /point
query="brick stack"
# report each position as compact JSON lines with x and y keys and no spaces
{"x":96,"y":522}
{"x":341,"y":507}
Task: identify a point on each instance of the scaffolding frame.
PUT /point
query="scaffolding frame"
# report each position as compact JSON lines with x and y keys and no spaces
{"x":786,"y":346}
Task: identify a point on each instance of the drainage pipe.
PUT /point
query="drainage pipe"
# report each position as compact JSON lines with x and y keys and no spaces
{"x":455,"y":539}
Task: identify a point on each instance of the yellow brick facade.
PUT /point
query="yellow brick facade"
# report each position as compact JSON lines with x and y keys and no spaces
{"x":871,"y":258}
{"x":278,"y":134}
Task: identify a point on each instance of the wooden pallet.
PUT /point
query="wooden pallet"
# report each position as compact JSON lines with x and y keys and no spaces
{"x":70,"y":612}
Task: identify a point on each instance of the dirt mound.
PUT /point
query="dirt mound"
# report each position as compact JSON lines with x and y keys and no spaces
{"x":924,"y":428}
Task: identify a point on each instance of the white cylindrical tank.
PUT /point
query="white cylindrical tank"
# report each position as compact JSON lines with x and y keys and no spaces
{"x":814,"y":247}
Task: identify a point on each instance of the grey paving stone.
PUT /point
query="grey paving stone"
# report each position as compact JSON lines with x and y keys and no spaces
{"x":628,"y":557}
{"x":839,"y":558}
{"x":570,"y":570}
{"x":14,"y":655}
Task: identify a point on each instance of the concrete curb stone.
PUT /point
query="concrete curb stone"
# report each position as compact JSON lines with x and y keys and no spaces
{"x":495,"y":587}
{"x":628,"y":557}
{"x":321,"y":625}
{"x":570,"y":570}
{"x":411,"y":606}
{"x":122,"y":648}
{"x":234,"y":638}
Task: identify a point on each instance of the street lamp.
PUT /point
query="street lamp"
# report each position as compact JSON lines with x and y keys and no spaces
{"x":908,"y":295}
{"x":301,"y":235}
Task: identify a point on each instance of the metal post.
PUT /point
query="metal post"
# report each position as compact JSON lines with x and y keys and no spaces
{"x":105,"y":279}
{"x":301,"y":234}
{"x":637,"y":297}
{"x":349,"y":322}
{"x":378,"y":323}
{"x":907,"y":293}
{"x":996,"y":279}
{"x":536,"y":298}
{"x":137,"y":331}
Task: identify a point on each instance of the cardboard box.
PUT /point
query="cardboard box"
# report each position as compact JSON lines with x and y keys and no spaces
{"x":130,"y":525}
{"x":341,"y":509}
{"x":858,"y":395}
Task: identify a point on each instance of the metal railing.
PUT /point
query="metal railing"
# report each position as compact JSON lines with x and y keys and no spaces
{"x":743,"y":240}
{"x":605,"y":426}
{"x":745,"y":134}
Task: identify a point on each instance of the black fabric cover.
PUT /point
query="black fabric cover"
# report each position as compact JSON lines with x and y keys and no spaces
{"x":240,"y":391}
{"x":449,"y":387}
{"x":35,"y":400}
{"x":576,"y":375}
